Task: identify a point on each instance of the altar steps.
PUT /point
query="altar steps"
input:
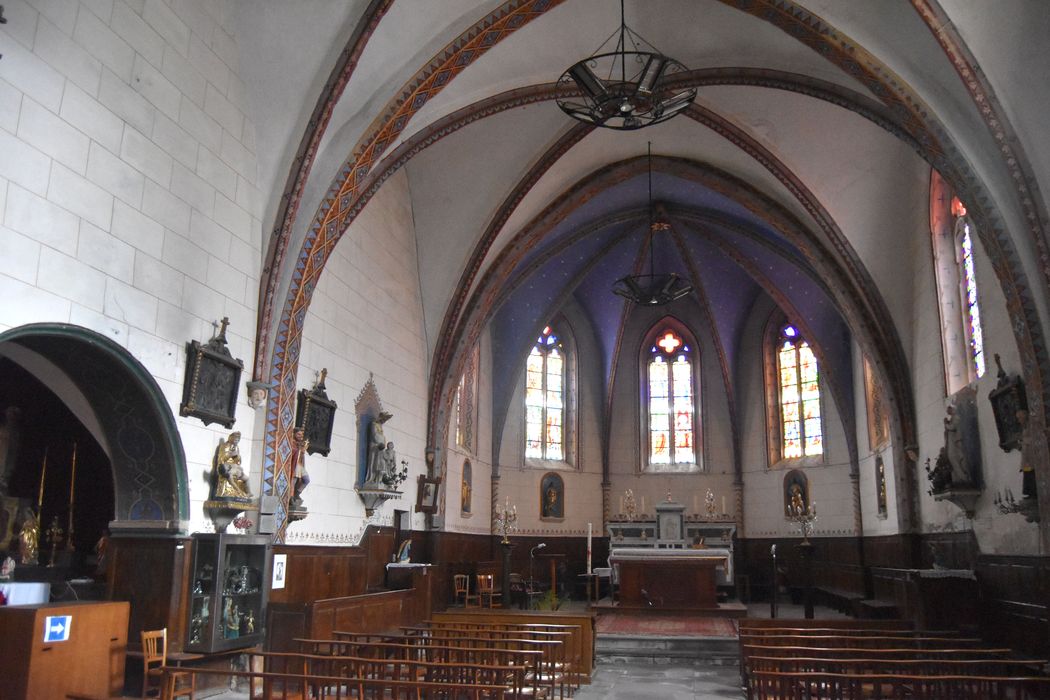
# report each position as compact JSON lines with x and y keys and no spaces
{"x":617,"y":648}
{"x":665,"y":638}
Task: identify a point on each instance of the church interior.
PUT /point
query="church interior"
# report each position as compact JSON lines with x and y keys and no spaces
{"x":317,"y":315}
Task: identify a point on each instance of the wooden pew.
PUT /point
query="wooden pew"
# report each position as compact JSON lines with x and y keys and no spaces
{"x":773,"y":685}
{"x":582,"y":625}
{"x":293,"y":686}
{"x":531,"y":660}
{"x":547,"y":670}
{"x":797,"y":623}
{"x":943,"y":666}
{"x":494,"y":673}
{"x":575,"y":661}
{"x":563,"y":660}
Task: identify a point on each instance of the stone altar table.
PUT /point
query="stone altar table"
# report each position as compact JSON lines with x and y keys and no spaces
{"x":670,"y":579}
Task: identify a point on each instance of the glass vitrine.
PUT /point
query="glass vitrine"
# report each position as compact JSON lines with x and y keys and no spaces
{"x":229,"y":587}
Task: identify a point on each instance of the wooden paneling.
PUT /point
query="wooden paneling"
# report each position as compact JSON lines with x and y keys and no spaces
{"x":318,"y":573}
{"x":371,"y":612}
{"x":1014,"y":596}
{"x":151,"y":574}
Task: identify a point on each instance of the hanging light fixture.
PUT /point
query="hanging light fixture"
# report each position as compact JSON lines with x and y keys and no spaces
{"x":653,"y":289}
{"x":625,"y":88}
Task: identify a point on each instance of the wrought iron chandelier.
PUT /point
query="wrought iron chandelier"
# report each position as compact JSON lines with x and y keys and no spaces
{"x":625,"y":88}
{"x":652,"y":289}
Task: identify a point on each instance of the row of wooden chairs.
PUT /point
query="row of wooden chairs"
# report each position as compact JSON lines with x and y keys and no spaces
{"x":855,"y":659}
{"x":484,"y":594}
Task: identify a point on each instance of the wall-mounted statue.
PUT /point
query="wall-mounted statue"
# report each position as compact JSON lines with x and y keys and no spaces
{"x":231,"y":483}
{"x":962,"y":444}
{"x":300,"y":478}
{"x":382,"y":459}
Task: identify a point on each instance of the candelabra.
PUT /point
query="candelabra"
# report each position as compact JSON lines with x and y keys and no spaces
{"x":803,"y":518}
{"x":1028,"y":507}
{"x":505,"y":518}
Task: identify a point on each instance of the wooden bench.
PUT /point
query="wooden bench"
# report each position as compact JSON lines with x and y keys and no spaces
{"x":264,"y":685}
{"x":582,"y":626}
{"x":797,"y":622}
{"x":774,"y":685}
{"x":530,"y":660}
{"x":566,"y":659}
{"x":547,"y":670}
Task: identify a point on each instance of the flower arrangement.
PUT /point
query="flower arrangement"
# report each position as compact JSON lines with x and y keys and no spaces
{"x":243,"y":523}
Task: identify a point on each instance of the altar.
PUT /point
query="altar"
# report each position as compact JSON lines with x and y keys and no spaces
{"x":670,"y":579}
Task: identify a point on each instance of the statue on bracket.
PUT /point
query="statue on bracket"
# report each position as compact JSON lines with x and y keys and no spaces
{"x":231,"y":493}
{"x":378,"y":472}
{"x":962,"y":439}
{"x":230,"y":480}
{"x":382,"y":459}
{"x":300,"y":478}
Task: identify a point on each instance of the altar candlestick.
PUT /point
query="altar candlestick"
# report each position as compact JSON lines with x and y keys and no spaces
{"x":40,"y":498}
{"x":72,"y":495}
{"x":589,"y":533}
{"x":723,"y":505}
{"x":621,"y":505}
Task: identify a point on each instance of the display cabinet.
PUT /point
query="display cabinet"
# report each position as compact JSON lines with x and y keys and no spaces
{"x":229,"y":587}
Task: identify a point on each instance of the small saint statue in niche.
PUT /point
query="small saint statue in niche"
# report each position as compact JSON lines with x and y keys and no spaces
{"x":301,"y":479}
{"x":231,"y":483}
{"x":381,"y":469}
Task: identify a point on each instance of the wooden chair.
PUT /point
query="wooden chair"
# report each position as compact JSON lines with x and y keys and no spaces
{"x":461,"y":584}
{"x":154,"y":658}
{"x":487,"y":588}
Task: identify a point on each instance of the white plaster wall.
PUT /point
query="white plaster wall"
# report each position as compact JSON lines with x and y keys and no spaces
{"x":996,"y":533}
{"x":829,"y":482}
{"x":127,"y":187}
{"x":366,"y":320}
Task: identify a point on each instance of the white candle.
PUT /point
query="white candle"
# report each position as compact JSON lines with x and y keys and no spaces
{"x":589,"y":533}
{"x":723,"y":505}
{"x":696,"y":503}
{"x":621,"y":505}
{"x":643,"y":504}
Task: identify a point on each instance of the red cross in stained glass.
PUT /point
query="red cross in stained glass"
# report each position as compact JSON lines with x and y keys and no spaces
{"x":669,"y":342}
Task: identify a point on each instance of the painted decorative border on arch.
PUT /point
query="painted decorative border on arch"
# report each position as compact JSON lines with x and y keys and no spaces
{"x":339,"y":207}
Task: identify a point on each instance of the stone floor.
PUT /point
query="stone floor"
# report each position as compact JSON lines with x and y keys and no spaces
{"x":647,"y":681}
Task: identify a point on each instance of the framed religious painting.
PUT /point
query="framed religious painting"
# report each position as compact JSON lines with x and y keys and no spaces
{"x":552,"y":497}
{"x":315,"y":414}
{"x":213,"y":377}
{"x":427,"y":494}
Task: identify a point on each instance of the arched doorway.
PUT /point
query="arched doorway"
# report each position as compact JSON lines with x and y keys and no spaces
{"x":117,"y":402}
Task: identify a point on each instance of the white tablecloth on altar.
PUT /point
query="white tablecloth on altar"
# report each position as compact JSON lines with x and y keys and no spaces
{"x":18,"y":593}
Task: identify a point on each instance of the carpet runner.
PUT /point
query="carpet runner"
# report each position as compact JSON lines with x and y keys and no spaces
{"x":661,"y":626}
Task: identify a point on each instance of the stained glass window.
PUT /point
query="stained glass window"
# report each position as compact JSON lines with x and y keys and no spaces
{"x":671,"y":402}
{"x":968,"y":282}
{"x":545,"y":398}
{"x":802,"y":435}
